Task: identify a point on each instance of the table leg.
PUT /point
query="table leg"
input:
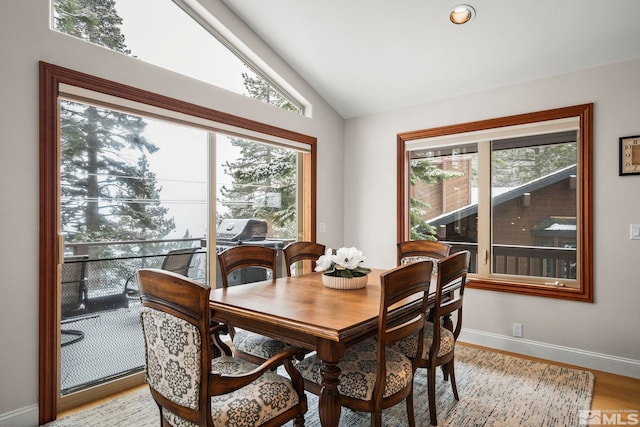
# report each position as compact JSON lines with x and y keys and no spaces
{"x":329,"y":407}
{"x":329,"y":403}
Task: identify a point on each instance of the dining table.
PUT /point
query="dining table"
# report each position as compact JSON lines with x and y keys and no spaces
{"x":302,"y":311}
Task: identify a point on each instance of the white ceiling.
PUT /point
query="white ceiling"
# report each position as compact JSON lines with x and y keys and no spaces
{"x":368,"y":56}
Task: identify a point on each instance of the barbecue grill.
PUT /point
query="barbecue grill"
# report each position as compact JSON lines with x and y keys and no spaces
{"x":235,"y":232}
{"x":232,"y":231}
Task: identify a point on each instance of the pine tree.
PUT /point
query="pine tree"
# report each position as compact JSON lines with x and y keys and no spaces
{"x":108,"y":193}
{"x":96,"y":21}
{"x":424,"y":170}
{"x":259,"y":172}
{"x":518,"y":166}
{"x":263,"y":170}
{"x":141,"y":216}
{"x":258,"y":88}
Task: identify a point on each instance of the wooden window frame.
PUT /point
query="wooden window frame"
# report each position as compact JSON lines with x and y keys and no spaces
{"x":584,"y":291}
{"x":50,"y":252}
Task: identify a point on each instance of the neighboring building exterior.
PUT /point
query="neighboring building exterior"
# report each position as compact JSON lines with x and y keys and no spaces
{"x":526,"y":219}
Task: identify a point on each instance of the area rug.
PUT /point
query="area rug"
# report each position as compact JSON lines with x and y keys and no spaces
{"x":495,"y":390}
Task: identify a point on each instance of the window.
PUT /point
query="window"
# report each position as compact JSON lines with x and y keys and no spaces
{"x":514,"y":191}
{"x":127,"y":176}
{"x":194,"y":46}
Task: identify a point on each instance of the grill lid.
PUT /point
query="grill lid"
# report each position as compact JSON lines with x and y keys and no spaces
{"x":241,"y":229}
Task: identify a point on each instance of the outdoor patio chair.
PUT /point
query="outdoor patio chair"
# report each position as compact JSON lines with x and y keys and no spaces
{"x":176,"y":260}
{"x":179,"y":260}
{"x":190,"y":386}
{"x":73,"y":291}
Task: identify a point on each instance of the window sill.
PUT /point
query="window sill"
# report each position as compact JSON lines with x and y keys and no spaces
{"x":583,"y":294}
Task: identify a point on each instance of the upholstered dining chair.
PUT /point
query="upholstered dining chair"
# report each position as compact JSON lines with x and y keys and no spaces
{"x":418,"y":250}
{"x":439,"y":341}
{"x":301,"y":251}
{"x":192,"y":388}
{"x":248,"y":345}
{"x":373,"y":376}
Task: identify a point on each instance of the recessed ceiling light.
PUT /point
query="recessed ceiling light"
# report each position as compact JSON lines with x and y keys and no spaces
{"x":461,"y":14}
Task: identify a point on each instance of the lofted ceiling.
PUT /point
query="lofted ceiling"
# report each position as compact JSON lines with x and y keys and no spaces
{"x":369,"y":56}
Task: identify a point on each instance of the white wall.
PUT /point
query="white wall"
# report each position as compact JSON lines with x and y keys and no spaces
{"x":606,"y":330}
{"x":604,"y":334}
{"x":25,"y":39}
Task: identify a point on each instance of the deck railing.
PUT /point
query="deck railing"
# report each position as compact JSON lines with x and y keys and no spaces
{"x":112,"y":344}
{"x":101,"y":335}
{"x":536,"y":261}
{"x":111,"y":266}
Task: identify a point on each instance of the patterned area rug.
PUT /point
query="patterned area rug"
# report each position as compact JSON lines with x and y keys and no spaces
{"x":495,"y":390}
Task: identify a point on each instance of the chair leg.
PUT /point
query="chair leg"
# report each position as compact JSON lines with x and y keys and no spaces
{"x":431,"y":386}
{"x":410,"y":412}
{"x":299,"y":421}
{"x":78,"y":336}
{"x":445,"y":372}
{"x":376,"y":419}
{"x":451,"y":371}
{"x":163,"y":420}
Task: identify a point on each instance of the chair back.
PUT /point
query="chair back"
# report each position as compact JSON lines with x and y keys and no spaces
{"x":179,"y":260}
{"x":175,"y":322}
{"x":451,"y":270}
{"x":418,"y":250}
{"x":300,"y":251}
{"x":73,"y":284}
{"x":403,"y":283}
{"x":237,"y":257}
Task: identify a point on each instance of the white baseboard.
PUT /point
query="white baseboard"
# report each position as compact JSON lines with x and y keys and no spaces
{"x":23,"y":417}
{"x":557,"y":353}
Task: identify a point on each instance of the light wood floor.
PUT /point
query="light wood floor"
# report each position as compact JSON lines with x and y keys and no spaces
{"x":611,"y":392}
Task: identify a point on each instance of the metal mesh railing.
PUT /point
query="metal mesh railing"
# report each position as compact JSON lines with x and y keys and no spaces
{"x":111,"y":343}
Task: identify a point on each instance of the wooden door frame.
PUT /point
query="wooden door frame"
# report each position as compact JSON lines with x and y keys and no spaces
{"x":50,"y":243}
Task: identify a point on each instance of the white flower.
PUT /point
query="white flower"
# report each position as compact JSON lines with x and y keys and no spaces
{"x":348,"y":258}
{"x":324,"y":262}
{"x":345,"y":263}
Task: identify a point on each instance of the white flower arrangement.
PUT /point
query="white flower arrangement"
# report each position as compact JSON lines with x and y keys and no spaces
{"x":344,"y":263}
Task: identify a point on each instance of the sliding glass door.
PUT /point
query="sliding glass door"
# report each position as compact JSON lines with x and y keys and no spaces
{"x":133,"y":191}
{"x":140,"y":190}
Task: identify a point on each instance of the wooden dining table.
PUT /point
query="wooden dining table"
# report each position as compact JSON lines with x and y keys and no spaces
{"x":302,"y":311}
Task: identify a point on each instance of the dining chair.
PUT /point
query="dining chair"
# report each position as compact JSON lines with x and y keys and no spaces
{"x":439,"y":341}
{"x":418,"y":250}
{"x":249,"y":345}
{"x":373,"y":376}
{"x":189,"y":385}
{"x":301,"y":251}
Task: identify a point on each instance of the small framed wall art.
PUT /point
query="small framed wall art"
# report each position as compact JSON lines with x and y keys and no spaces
{"x":630,"y":155}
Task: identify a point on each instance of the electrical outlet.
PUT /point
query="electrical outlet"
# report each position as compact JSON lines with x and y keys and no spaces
{"x":635,"y":232}
{"x":517,"y":330}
